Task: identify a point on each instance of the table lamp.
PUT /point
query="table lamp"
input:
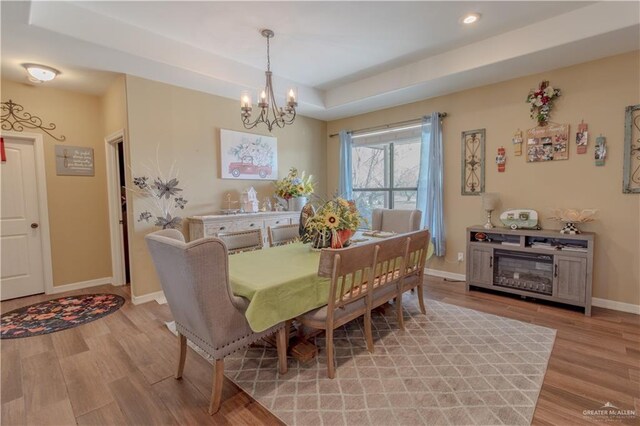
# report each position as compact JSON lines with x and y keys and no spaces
{"x":489,"y":204}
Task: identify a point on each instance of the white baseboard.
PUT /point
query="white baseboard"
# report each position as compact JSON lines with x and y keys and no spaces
{"x":158,"y":296}
{"x":601,"y":303}
{"x":615,"y":305}
{"x":445,"y":274}
{"x":80,"y":285}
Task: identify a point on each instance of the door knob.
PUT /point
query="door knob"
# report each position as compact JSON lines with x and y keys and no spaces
{"x":34,"y":225}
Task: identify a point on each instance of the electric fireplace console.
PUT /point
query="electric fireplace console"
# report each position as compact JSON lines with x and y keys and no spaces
{"x":539,"y":264}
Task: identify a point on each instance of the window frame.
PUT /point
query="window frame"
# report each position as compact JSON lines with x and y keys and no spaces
{"x":391,"y":189}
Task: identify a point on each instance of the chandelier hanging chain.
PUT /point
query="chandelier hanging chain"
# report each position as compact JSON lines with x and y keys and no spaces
{"x":268,"y":54}
{"x":270,"y":114}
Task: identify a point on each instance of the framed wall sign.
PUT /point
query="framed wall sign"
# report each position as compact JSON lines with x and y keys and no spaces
{"x":548,"y":143}
{"x":74,"y":161}
{"x":631,"y":168}
{"x":473,"y":160}
{"x":248,"y":156}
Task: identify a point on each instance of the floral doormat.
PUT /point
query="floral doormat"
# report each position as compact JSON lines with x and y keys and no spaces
{"x":58,"y":314}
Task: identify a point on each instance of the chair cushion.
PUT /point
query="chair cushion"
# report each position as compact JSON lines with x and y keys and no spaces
{"x":320,"y":314}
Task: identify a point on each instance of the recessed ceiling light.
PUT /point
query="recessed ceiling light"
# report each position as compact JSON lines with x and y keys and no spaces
{"x":40,"y":73}
{"x":470,"y":18}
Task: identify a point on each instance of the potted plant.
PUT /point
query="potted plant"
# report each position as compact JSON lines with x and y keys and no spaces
{"x":295,"y":188}
{"x":333,"y":224}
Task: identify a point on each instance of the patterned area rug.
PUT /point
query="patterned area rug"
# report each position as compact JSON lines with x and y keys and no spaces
{"x":454,"y":366}
{"x":58,"y":314}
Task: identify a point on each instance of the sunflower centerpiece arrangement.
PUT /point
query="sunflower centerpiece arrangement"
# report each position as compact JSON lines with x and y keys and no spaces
{"x":333,"y":224}
{"x":295,"y":188}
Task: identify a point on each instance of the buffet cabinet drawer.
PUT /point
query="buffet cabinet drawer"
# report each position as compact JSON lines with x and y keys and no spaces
{"x":213,"y":229}
{"x":247,"y":225}
{"x":268,"y":223}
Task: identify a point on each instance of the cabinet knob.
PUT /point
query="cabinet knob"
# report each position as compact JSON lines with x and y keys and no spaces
{"x":222,"y":228}
{"x":253,"y":224}
{"x":34,"y":225}
{"x":490,"y":261}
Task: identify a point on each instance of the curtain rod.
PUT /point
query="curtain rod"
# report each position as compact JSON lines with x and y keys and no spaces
{"x":388,"y":126}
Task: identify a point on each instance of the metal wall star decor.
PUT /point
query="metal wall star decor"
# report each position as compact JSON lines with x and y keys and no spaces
{"x":14,"y":117}
{"x":473,"y":162}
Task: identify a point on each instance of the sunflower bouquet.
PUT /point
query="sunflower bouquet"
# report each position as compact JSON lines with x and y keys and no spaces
{"x":294,"y":185}
{"x":333,"y":224}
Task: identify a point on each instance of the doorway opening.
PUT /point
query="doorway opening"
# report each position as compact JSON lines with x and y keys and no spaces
{"x":123,"y":210}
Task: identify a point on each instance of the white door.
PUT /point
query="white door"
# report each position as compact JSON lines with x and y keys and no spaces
{"x":21,"y":246}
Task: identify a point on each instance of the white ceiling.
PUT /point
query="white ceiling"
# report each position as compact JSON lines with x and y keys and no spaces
{"x":345,"y":57}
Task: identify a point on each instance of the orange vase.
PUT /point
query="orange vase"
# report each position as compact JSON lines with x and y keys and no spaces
{"x":340,"y":238}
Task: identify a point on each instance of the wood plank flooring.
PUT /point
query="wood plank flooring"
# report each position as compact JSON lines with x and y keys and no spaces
{"x":119,"y":369}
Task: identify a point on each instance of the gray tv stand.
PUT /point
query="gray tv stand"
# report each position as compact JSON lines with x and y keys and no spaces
{"x":544,"y":265}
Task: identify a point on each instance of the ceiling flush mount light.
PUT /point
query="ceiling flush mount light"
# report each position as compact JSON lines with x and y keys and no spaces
{"x":40,"y":73}
{"x":470,"y":18}
{"x":270,"y":114}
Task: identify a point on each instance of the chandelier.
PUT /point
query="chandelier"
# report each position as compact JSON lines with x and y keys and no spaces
{"x":270,"y":114}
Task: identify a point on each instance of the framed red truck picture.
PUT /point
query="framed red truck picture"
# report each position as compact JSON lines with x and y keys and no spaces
{"x":248,"y":156}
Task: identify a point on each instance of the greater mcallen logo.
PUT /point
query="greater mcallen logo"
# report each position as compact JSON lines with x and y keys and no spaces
{"x":610,"y":412}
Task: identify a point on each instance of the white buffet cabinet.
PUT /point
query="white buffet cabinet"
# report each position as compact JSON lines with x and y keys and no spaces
{"x":212,"y":225}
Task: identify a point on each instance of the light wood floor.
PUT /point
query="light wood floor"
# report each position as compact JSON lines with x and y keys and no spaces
{"x":119,"y":369}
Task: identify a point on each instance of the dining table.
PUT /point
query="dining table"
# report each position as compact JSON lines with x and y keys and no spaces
{"x":282,"y":282}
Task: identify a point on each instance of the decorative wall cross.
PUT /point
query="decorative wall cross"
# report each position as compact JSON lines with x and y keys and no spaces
{"x":13,"y":117}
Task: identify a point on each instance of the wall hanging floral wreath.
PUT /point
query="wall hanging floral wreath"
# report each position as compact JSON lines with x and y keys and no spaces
{"x":541,"y":102}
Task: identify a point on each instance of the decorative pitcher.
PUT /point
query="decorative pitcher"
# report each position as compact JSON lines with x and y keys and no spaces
{"x":297,"y":203}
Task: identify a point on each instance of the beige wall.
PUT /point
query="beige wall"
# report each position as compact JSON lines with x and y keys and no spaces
{"x":114,"y":107}
{"x":184,"y":126}
{"x":597,"y":92}
{"x":78,"y":213}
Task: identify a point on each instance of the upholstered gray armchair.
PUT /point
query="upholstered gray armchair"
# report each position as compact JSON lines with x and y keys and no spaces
{"x":398,"y":221}
{"x":195,"y":280}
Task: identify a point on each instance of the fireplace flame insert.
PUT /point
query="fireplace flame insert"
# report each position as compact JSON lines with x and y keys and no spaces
{"x":530,"y":272}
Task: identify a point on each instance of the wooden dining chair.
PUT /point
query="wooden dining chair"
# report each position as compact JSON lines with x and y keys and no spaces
{"x":389,"y":273}
{"x":195,"y":280}
{"x":283,"y":234}
{"x":350,"y":270}
{"x":240,"y":241}
{"x":415,"y":261}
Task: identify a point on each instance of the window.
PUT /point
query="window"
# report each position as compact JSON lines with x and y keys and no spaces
{"x":385,"y":170}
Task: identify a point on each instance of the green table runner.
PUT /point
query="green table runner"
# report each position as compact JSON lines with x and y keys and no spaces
{"x":281,"y":283}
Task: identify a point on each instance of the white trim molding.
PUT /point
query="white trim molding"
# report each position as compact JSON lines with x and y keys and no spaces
{"x":445,"y":274}
{"x":80,"y":285}
{"x":158,"y":296}
{"x":615,"y":305}
{"x":113,"y":194}
{"x":43,"y":205}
